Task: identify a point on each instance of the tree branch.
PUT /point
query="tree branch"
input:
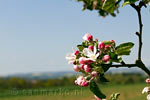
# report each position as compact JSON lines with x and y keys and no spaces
{"x":138,"y":62}
{"x":124,"y":65}
{"x":139,"y":34}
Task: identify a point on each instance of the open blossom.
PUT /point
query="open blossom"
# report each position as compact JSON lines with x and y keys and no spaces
{"x":148,"y":97}
{"x":87,"y":37}
{"x":146,"y":89}
{"x":147,"y":80}
{"x":71,"y":57}
{"x":106,"y":58}
{"x":81,"y":81}
{"x":91,"y":54}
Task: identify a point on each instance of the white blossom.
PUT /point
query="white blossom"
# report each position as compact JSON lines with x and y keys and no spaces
{"x":91,"y":54}
{"x":148,"y":97}
{"x":146,"y":90}
{"x":71,"y":57}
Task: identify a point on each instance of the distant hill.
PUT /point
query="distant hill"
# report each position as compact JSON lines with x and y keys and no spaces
{"x":126,"y":70}
{"x":44,"y":75}
{"x":52,"y":75}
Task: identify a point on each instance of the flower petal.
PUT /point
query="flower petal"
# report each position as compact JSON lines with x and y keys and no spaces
{"x":95,"y":50}
{"x":87,"y":52}
{"x":97,"y":55}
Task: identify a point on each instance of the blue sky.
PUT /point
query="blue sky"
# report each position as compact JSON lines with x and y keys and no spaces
{"x":35,"y":35}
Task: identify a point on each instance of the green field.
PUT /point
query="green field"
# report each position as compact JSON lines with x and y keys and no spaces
{"x":128,"y":92}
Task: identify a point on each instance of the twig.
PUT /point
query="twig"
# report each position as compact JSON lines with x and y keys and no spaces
{"x":138,"y":62}
{"x":124,"y":65}
{"x":139,"y":34}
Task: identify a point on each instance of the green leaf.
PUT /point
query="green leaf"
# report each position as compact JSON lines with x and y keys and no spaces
{"x":80,"y":47}
{"x":123,"y":52}
{"x":146,"y":1}
{"x":106,"y":67}
{"x":99,"y":69}
{"x":124,"y":48}
{"x":95,"y":89}
{"x":109,"y":5}
{"x":127,"y":2}
{"x":114,"y":96}
{"x":107,"y":42}
{"x":114,"y":57}
{"x":85,"y":44}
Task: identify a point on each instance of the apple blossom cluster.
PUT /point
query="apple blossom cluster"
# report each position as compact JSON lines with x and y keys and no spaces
{"x":90,"y":58}
{"x":147,"y":89}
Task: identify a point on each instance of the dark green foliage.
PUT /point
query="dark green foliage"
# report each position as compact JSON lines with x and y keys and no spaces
{"x":94,"y":88}
{"x":19,"y":83}
{"x":104,"y":8}
{"x":126,"y":2}
{"x":108,"y":7}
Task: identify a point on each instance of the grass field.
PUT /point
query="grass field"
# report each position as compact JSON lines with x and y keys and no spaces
{"x":128,"y":92}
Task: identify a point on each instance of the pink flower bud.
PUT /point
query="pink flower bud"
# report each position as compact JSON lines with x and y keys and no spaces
{"x":76,"y":52}
{"x":91,"y":47}
{"x":96,"y":39}
{"x":89,"y":61}
{"x":87,"y":68}
{"x":101,"y":45}
{"x":76,"y":68}
{"x":106,"y":58}
{"x":107,"y":46}
{"x":76,"y":82}
{"x":84,"y":84}
{"x":94,"y":73}
{"x":96,"y":97}
{"x":147,"y":80}
{"x":82,"y":60}
{"x":87,"y":37}
{"x":79,"y":80}
{"x":82,"y":67}
{"x":113,"y":41}
{"x":90,"y":37}
{"x":102,"y":0}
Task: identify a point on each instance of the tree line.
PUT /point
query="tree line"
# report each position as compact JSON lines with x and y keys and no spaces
{"x":15,"y":82}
